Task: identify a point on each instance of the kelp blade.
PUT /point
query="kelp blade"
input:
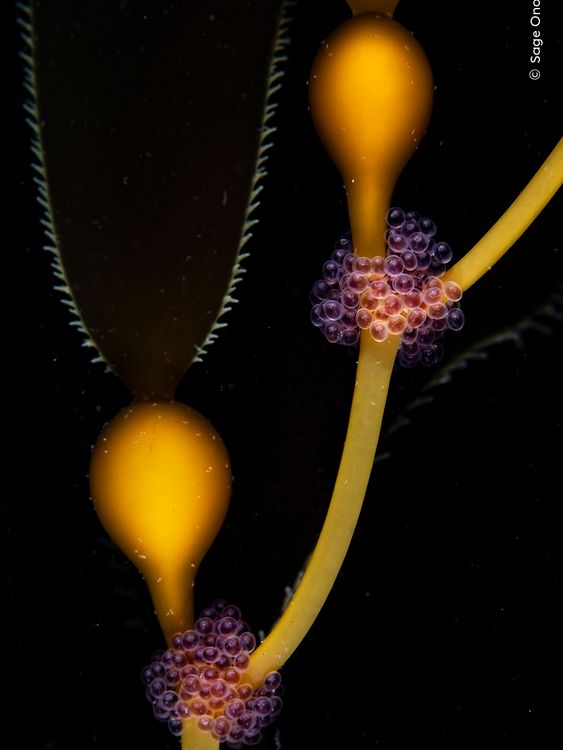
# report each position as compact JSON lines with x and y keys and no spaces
{"x":151,"y":117}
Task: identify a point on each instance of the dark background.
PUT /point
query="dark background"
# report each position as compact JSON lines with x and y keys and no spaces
{"x":443,"y":629}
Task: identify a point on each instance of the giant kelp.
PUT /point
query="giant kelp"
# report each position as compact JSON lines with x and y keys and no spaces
{"x":412,"y":601}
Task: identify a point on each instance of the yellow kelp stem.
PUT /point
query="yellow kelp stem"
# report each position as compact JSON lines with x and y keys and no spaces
{"x":512,"y":224}
{"x":374,"y":372}
{"x":194,"y":739}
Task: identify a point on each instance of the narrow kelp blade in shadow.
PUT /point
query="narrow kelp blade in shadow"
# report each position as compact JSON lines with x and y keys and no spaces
{"x":152,"y":122}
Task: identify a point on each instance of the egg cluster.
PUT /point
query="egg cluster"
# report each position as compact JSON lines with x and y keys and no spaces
{"x":202,"y":677}
{"x":400,"y":294}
